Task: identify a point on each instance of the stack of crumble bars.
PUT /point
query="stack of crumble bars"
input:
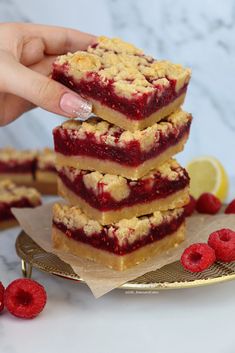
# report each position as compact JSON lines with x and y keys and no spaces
{"x":12,"y":195}
{"x":125,"y":193}
{"x":29,"y":167}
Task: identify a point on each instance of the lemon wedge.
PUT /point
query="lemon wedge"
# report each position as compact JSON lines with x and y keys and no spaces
{"x":208,"y":175}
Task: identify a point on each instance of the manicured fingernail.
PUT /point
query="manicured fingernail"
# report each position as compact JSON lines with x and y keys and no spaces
{"x":75,"y":106}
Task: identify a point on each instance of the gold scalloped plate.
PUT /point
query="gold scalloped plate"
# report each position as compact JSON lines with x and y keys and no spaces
{"x":172,"y":276}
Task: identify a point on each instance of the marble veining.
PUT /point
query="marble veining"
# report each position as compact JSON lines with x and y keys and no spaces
{"x":198,"y":34}
{"x":73,"y":320}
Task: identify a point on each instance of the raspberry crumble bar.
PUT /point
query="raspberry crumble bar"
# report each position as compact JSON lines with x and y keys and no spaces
{"x":109,"y":198}
{"x":125,"y":87}
{"x":17,"y":165}
{"x":15,"y":196}
{"x":119,"y":245}
{"x":46,"y":173}
{"x":98,"y":145}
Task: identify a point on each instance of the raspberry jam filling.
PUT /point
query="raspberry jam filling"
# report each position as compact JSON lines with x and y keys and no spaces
{"x":136,"y":108}
{"x":16,"y":167}
{"x":141,"y":191}
{"x":67,"y":143}
{"x":5,"y":208}
{"x":103,"y":241}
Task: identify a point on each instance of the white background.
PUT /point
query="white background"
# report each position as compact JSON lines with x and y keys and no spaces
{"x":199,"y":34}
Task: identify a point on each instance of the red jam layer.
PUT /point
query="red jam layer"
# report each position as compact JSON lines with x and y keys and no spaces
{"x":136,"y":108}
{"x":104,"y":242}
{"x":141,"y":191}
{"x":68,"y":144}
{"x":5,"y":208}
{"x":24,"y":167}
{"x":13,"y":166}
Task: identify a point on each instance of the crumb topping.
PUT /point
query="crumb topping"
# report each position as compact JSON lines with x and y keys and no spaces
{"x":9,"y":154}
{"x":9,"y":192}
{"x":119,"y":187}
{"x":126,"y":230}
{"x":74,"y":218}
{"x":171,"y":170}
{"x":130,"y":70}
{"x":115,"y":185}
{"x":112,"y":135}
{"x":46,"y":158}
{"x":70,"y":172}
{"x":116,"y":45}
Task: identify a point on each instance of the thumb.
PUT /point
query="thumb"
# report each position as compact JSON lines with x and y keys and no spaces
{"x":43,"y":91}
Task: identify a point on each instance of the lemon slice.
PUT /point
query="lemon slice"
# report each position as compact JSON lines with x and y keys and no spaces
{"x":207,"y":175}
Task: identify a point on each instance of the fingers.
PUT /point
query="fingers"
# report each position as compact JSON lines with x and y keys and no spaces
{"x":32,"y":51}
{"x":44,"y":66}
{"x":12,"y":107}
{"x":36,"y":46}
{"x":42,"y":91}
{"x":59,"y":40}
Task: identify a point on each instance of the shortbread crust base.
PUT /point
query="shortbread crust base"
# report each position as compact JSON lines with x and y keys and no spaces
{"x":46,"y":176}
{"x":119,"y":119}
{"x":46,"y":182}
{"x":110,"y":167}
{"x":18,"y":178}
{"x":117,"y":262}
{"x":10,"y":223}
{"x":46,"y":188}
{"x":175,"y":200}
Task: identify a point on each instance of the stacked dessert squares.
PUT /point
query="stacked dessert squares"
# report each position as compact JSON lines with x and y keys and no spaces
{"x":12,"y":195}
{"x":125,"y":194}
{"x":17,"y":165}
{"x":29,"y":167}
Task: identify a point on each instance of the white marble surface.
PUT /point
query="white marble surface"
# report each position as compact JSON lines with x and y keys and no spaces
{"x":186,"y":320}
{"x":199,"y":34}
{"x":181,"y":321}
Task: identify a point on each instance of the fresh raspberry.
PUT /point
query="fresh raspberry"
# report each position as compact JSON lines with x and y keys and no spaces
{"x":2,"y":291}
{"x":25,"y":298}
{"x":198,"y":257}
{"x":223,"y":242}
{"x":208,"y":203}
{"x":190,"y":207}
{"x":230,"y":208}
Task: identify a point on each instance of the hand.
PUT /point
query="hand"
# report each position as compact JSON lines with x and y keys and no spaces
{"x":26,"y":54}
